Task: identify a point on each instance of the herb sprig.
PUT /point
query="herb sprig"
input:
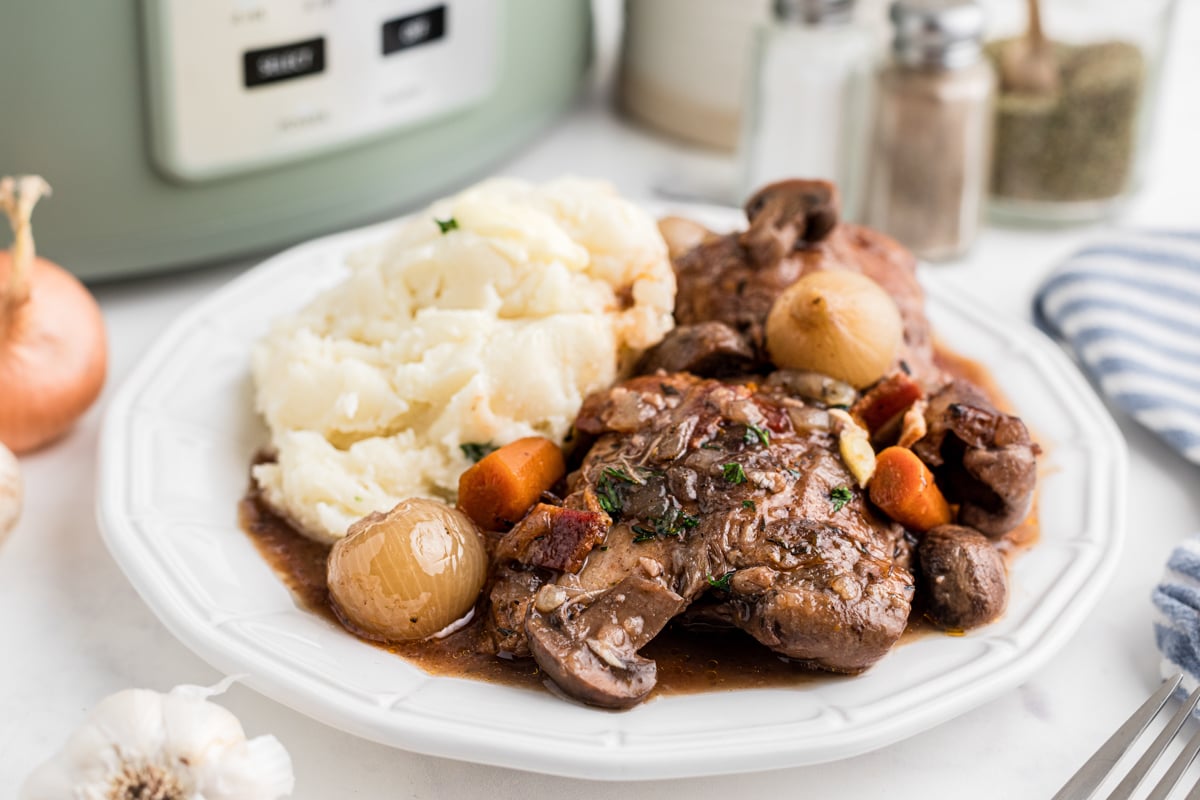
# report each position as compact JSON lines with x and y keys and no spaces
{"x":757,"y":435}
{"x":477,"y":450}
{"x":840,"y":495}
{"x":446,"y":225}
{"x":609,"y":492}
{"x":673,"y":523}
{"x":721,"y":583}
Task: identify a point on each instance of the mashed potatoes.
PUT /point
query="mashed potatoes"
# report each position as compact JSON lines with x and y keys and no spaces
{"x":496,"y":329}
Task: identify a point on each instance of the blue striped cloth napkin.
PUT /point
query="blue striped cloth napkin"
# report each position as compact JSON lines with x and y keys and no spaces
{"x":1129,"y":307}
{"x":1177,"y":619}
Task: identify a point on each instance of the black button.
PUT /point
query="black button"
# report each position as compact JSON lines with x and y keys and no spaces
{"x":415,"y":29}
{"x":284,"y":62}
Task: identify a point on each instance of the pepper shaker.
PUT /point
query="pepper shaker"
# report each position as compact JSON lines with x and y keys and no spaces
{"x":810,"y":82}
{"x":931,"y":155}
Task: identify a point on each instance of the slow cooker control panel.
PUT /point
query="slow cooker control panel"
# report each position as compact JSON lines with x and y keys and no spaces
{"x":236,"y":85}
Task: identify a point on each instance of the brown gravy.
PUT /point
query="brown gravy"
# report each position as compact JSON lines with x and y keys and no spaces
{"x":688,"y":662}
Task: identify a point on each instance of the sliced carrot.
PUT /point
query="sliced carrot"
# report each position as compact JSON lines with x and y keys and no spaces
{"x":504,"y":485}
{"x":904,"y":489}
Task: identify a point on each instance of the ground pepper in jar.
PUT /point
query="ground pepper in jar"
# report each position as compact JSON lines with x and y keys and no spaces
{"x":1076,"y":144}
{"x":933,"y":124}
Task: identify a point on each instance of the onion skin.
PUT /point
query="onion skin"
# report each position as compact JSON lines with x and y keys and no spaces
{"x":407,"y":574}
{"x":10,"y":492}
{"x":53,"y":356}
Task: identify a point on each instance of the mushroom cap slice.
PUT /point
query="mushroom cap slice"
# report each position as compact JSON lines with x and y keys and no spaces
{"x":588,"y":645}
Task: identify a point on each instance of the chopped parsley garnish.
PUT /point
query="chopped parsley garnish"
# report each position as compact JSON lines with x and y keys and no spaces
{"x":722,"y":582}
{"x":608,"y":497}
{"x":446,"y":225}
{"x":477,"y":450}
{"x":608,"y":491}
{"x":755,"y":434}
{"x":618,"y":474}
{"x":840,"y":495}
{"x":709,"y":446}
{"x":733,"y":473}
{"x":643,"y":534}
{"x":672,"y":523}
{"x":749,"y":504}
{"x":795,"y":473}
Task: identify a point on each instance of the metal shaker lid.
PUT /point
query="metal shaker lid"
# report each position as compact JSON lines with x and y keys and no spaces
{"x":944,"y":33}
{"x":814,"y":12}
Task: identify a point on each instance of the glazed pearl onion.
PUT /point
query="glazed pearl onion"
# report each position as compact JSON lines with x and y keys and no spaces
{"x":407,"y":574}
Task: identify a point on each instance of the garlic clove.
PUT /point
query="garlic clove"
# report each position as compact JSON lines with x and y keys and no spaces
{"x":193,"y":725}
{"x":10,"y":491}
{"x":178,"y":743}
{"x":253,"y":769}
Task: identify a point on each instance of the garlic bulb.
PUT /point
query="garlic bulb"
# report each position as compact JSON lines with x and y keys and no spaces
{"x":10,"y":491}
{"x":176,"y":746}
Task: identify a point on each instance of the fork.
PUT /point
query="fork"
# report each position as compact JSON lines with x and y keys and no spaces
{"x":1103,"y":764}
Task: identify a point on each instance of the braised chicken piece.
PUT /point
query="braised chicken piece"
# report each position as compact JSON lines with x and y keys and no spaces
{"x":733,"y":281}
{"x":714,"y":490}
{"x":737,"y":502}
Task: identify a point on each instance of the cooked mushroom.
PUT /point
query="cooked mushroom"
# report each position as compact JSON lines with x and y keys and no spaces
{"x":787,"y":214}
{"x":964,"y":577}
{"x":984,"y":459}
{"x":706,"y":348}
{"x":589,"y":644}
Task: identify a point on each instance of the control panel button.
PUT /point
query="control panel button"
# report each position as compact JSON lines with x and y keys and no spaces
{"x":232,"y":94}
{"x":283,"y":62}
{"x":415,"y":29}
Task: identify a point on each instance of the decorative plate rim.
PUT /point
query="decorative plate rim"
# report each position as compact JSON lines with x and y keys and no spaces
{"x":617,"y":751}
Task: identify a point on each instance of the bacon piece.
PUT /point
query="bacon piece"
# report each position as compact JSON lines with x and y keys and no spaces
{"x":554,"y":537}
{"x":885,"y":401}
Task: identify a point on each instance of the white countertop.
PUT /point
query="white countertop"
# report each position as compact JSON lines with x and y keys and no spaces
{"x":73,"y":630}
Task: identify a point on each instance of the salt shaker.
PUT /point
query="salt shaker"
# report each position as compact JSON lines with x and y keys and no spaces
{"x":808,"y":100}
{"x":932,"y":142}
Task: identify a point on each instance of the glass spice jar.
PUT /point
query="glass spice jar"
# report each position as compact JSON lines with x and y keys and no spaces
{"x":1074,"y":152}
{"x":809,"y":99}
{"x":929,"y":161}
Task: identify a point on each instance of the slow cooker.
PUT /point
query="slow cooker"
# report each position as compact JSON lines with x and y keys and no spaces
{"x":179,"y":132}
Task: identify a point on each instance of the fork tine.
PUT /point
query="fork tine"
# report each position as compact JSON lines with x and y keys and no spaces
{"x":1178,"y":767}
{"x":1194,"y":794}
{"x":1092,"y":773}
{"x":1136,"y":775}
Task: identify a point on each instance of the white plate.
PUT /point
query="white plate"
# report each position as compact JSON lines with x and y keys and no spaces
{"x":174,"y":455}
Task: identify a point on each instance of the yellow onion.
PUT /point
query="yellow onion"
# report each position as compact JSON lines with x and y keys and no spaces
{"x":840,"y":324}
{"x":409,"y":573}
{"x":53,"y":351}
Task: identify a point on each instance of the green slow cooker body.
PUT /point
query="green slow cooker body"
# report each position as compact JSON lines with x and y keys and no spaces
{"x":73,"y":96}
